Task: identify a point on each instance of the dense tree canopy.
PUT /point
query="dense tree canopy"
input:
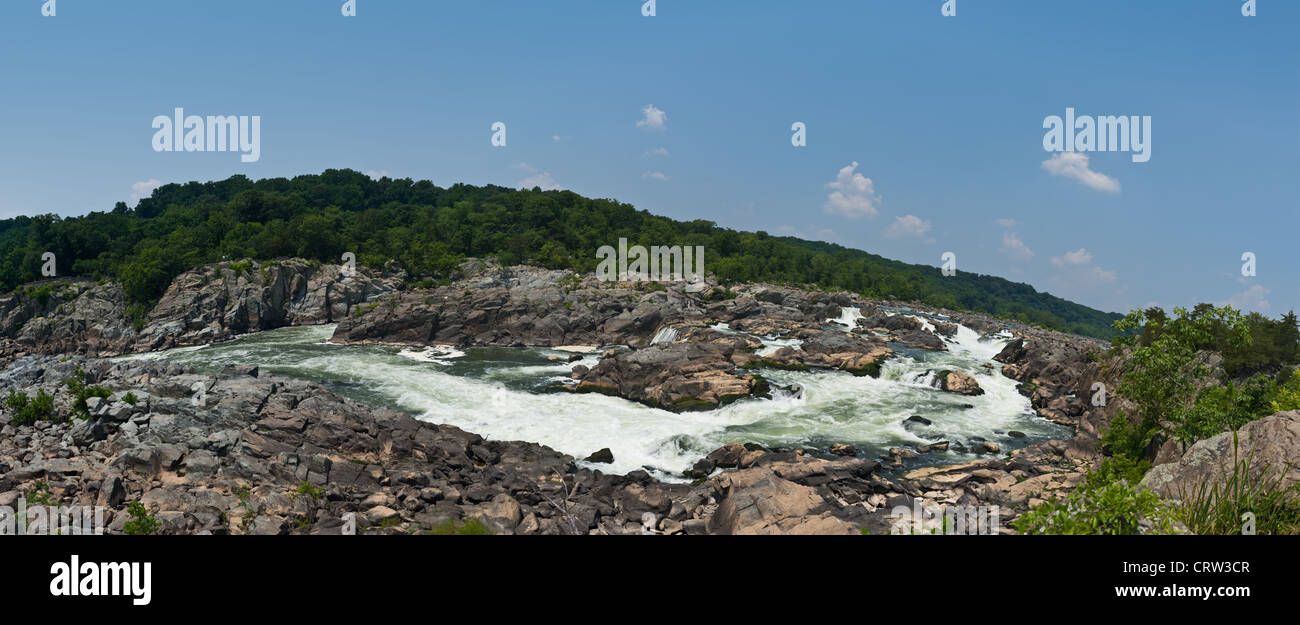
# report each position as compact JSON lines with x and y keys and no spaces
{"x":429,"y":229}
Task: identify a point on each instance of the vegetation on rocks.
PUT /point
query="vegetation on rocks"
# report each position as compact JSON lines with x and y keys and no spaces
{"x":1191,"y":377}
{"x":28,"y":410}
{"x":141,"y":522}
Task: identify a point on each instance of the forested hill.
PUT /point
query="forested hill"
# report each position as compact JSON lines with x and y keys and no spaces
{"x":430,"y":229}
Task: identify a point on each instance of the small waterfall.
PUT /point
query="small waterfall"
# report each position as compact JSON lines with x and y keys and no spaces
{"x":666,"y":334}
{"x":848,"y":318}
{"x":929,"y":378}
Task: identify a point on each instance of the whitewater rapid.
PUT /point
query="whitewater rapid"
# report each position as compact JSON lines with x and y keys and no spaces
{"x":502,"y":393}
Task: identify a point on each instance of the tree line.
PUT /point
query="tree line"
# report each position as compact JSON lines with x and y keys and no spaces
{"x":430,"y":229}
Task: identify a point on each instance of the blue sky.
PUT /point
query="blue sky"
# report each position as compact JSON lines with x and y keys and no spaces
{"x":944,"y":117}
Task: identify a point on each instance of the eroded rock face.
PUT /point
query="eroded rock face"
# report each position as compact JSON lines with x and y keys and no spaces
{"x":678,"y":376}
{"x":78,"y":318}
{"x":958,"y":382}
{"x":787,"y":493}
{"x":829,"y":349}
{"x":212,"y":303}
{"x":218,"y":302}
{"x":1270,"y":445}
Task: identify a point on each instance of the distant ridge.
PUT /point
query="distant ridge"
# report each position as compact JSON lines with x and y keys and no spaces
{"x":429,"y":229}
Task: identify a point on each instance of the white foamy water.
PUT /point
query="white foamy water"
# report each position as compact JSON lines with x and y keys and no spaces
{"x":504,"y":394}
{"x":666,"y":334}
{"x":848,"y":318}
{"x":438,"y":354}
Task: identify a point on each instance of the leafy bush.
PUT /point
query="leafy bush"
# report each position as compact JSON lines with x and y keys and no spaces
{"x":1288,"y":394}
{"x":141,"y":522}
{"x":1230,"y":406}
{"x":81,"y":392}
{"x":27,"y":410}
{"x":40,"y":494}
{"x":1098,"y":506}
{"x":310,"y":490}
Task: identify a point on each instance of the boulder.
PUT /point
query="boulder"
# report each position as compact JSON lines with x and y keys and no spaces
{"x":1270,"y":446}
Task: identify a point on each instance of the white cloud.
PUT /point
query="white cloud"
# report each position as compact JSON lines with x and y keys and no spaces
{"x":378,"y":174}
{"x":1080,"y":257}
{"x":653,"y":118}
{"x":1079,"y":270}
{"x":907,"y":226}
{"x":555,"y":138}
{"x":654,"y":175}
{"x":852,"y":194}
{"x":543,"y":180}
{"x":1075,"y":165}
{"x":142,"y":189}
{"x":1252,"y":299}
{"x":658,"y":152}
{"x":1012,"y":245}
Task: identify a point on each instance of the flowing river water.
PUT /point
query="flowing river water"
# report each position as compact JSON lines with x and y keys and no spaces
{"x":502,"y":393}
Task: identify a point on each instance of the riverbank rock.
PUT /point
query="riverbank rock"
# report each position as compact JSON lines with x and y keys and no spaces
{"x":217,"y":302}
{"x":1270,"y":445}
{"x":677,"y":377}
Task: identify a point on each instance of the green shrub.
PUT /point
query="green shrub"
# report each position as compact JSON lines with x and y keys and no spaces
{"x":310,"y":490}
{"x":27,"y":410}
{"x":1288,"y":394}
{"x":1098,"y":507}
{"x":130,"y":398}
{"x":141,"y":523}
{"x":1116,"y":468}
{"x":40,"y":494}
{"x":77,"y":385}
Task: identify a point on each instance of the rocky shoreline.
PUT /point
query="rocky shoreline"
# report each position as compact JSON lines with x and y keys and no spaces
{"x":265,"y":454}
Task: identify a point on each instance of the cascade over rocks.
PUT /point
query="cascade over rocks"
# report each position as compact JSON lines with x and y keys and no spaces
{"x":395,"y":474}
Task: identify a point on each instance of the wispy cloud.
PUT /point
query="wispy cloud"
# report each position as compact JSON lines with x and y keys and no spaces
{"x":538,"y":179}
{"x":908,"y":226}
{"x":657,"y":152}
{"x":1012,"y":245}
{"x":653,"y":118}
{"x":654,"y":175}
{"x":1253,"y":299}
{"x":1078,"y":269}
{"x":142,"y":189}
{"x":378,"y":174}
{"x":1075,"y":166}
{"x":852,"y":194}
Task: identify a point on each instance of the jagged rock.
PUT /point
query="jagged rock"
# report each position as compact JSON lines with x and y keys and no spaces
{"x":958,"y":382}
{"x":604,"y":456}
{"x":1270,"y":445}
{"x":677,"y":376}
